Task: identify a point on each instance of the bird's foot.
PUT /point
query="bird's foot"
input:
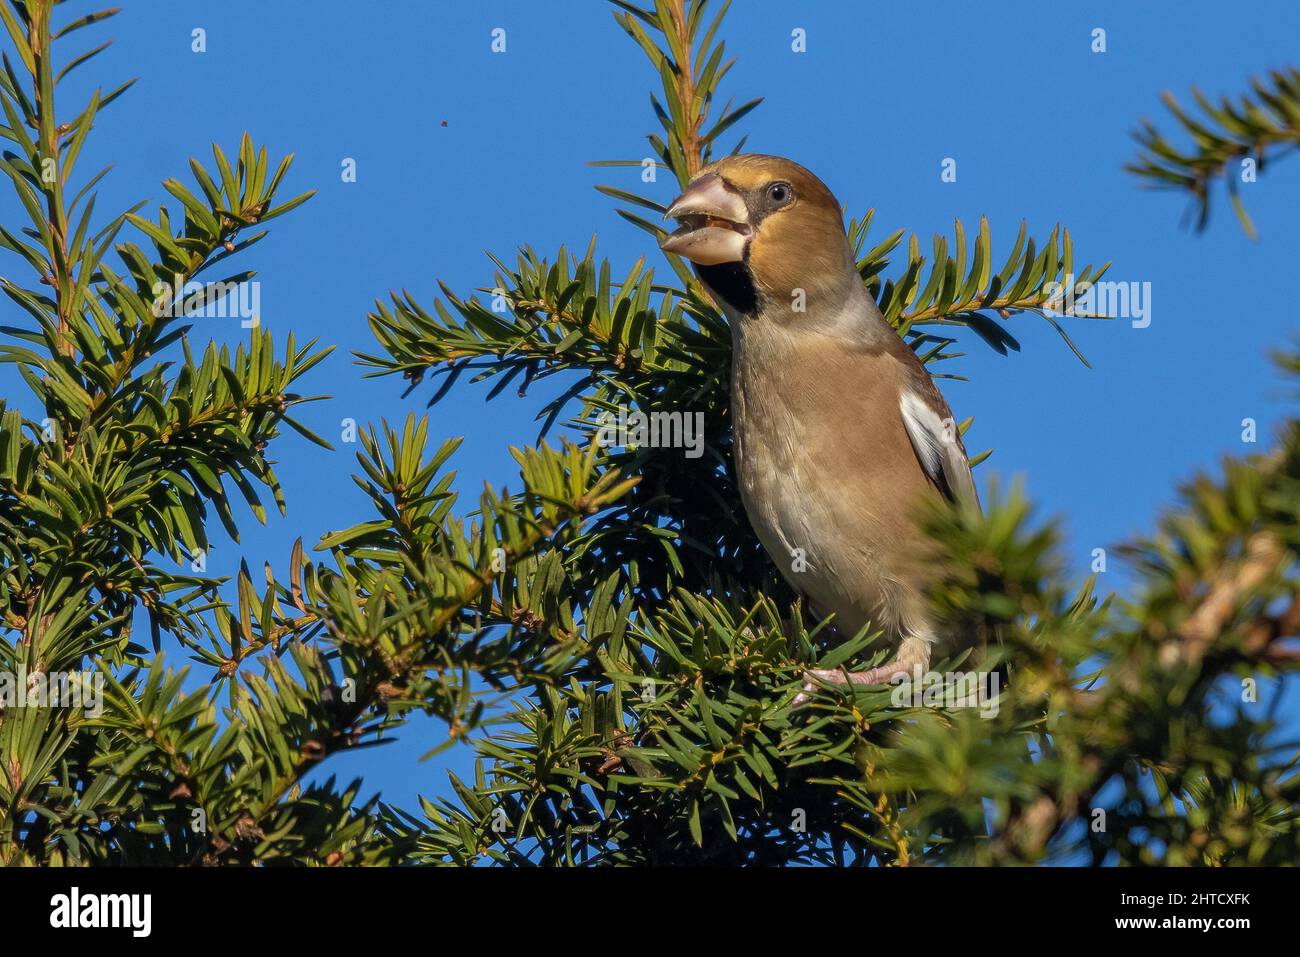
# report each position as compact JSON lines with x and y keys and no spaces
{"x":820,"y":677}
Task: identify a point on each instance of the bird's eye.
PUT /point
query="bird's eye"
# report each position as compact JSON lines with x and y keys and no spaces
{"x":778,"y":194}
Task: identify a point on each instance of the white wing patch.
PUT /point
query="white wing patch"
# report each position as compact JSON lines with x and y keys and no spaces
{"x":927,"y":432}
{"x":936,"y":443}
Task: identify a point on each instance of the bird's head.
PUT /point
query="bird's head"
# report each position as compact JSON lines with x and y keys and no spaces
{"x":761,"y":228}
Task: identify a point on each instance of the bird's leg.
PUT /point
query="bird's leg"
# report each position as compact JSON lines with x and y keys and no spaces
{"x":912,"y":652}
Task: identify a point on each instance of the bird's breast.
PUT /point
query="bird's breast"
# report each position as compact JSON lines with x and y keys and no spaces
{"x":818,"y":456}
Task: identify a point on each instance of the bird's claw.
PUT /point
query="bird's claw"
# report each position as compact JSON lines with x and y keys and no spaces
{"x":821,"y":677}
{"x":813,"y":679}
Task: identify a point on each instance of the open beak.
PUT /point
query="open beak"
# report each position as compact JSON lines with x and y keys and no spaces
{"x":714,"y":223}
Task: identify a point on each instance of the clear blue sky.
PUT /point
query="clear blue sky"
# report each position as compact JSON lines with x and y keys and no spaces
{"x":1038,"y":125}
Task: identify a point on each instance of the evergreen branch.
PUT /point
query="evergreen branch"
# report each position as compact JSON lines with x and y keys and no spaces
{"x":954,"y":295}
{"x":690,"y":68}
{"x":1259,"y":127}
{"x":386,"y":656}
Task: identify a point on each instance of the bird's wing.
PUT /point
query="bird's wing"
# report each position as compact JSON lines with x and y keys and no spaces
{"x":936,"y":439}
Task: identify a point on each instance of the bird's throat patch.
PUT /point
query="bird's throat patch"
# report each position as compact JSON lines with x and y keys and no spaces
{"x":733,"y":284}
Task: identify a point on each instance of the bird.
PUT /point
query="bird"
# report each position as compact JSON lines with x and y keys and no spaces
{"x":839,"y":431}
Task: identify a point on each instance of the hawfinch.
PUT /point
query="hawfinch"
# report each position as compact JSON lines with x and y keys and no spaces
{"x":839,"y":430}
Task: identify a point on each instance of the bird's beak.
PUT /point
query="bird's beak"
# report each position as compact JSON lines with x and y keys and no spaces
{"x":714,"y":223}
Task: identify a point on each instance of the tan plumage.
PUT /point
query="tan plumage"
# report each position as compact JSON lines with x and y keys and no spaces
{"x":840,"y":432}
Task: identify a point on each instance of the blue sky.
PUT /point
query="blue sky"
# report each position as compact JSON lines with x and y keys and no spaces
{"x":1038,"y":124}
